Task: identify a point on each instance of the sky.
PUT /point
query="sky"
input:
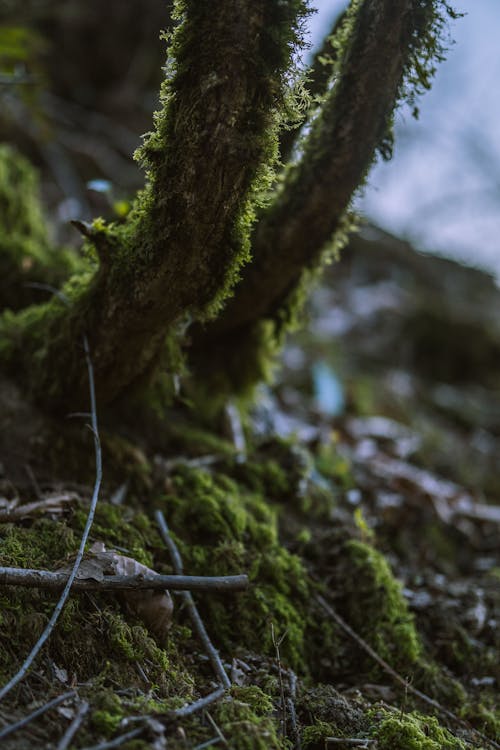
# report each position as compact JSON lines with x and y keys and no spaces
{"x":442,"y":188}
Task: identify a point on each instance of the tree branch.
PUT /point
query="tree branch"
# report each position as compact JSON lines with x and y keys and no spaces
{"x":11,"y":728}
{"x":45,"y":579}
{"x":317,"y":80}
{"x":198,"y":624}
{"x":388,"y":43}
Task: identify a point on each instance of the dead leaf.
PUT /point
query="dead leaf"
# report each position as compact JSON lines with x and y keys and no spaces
{"x":66,"y":712}
{"x":61,"y":674}
{"x":154,"y":608}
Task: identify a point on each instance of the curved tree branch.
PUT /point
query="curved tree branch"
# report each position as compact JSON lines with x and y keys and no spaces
{"x":389,"y":43}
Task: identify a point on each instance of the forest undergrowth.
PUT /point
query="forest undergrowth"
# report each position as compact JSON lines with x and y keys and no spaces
{"x":359,"y":495}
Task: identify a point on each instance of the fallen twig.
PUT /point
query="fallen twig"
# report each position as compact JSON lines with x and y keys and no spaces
{"x":34,"y":482}
{"x":45,"y":579}
{"x":293,"y":721}
{"x":355,"y":741}
{"x":117,"y":741}
{"x":208,"y":743}
{"x":191,"y":606}
{"x":74,"y":726}
{"x":397,"y":677}
{"x":49,"y":504}
{"x":93,"y":504}
{"x":195,"y":706}
{"x":34,"y":714}
{"x":277,"y":643}
{"x":180,"y":713}
{"x":217,"y":729}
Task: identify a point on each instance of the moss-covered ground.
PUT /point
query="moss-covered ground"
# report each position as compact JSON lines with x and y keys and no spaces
{"x":393,"y":537}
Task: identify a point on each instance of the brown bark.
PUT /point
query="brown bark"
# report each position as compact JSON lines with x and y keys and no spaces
{"x":292,"y":234}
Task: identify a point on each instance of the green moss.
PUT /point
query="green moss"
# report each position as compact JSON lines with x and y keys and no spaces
{"x":259,"y":702}
{"x":333,"y":465}
{"x":109,"y":714}
{"x":95,"y":638}
{"x":374,"y":605}
{"x":30,"y":337}
{"x":195,"y":441}
{"x":133,"y":642}
{"x":414,"y":732}
{"x":26,"y":253}
{"x":131,"y":531}
{"x":249,"y":728}
{"x":314,"y":736}
{"x":437,"y":682}
{"x":265,"y":477}
{"x":35,"y":546}
{"x":325,"y":708}
{"x":223,"y":528}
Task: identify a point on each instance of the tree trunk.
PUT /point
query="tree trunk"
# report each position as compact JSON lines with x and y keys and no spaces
{"x":179,"y":252}
{"x":388,"y":56}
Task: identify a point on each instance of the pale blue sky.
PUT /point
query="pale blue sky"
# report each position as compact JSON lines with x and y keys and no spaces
{"x":442,"y":189}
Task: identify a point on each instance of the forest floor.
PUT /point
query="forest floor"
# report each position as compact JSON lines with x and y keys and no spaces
{"x":361,"y":496}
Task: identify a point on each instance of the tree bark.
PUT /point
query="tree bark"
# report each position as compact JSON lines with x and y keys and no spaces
{"x":388,"y":41}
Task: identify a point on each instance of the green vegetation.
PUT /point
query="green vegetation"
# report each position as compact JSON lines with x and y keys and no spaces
{"x":186,"y":298}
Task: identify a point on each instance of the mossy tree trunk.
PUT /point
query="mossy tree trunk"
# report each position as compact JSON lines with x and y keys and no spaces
{"x":382,"y":55}
{"x":178,"y":255}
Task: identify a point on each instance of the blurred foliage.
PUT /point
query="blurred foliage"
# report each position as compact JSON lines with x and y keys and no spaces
{"x":18,"y":46}
{"x":80,"y":120}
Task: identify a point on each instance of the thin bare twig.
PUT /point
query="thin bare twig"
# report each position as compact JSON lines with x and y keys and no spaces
{"x":195,"y":706}
{"x":292,"y":687}
{"x":217,"y":729}
{"x":117,"y":741}
{"x":46,"y":579}
{"x":293,"y":721}
{"x":277,"y":643}
{"x":34,"y":714}
{"x":74,"y":726}
{"x":191,"y":606}
{"x":180,"y":713}
{"x":93,"y":504}
{"x":208,"y":743}
{"x":397,"y":677}
{"x":354,"y":741}
{"x":34,"y":482}
{"x":169,"y":543}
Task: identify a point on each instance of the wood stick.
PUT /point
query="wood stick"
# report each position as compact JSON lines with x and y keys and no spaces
{"x":191,"y":606}
{"x":46,"y":579}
